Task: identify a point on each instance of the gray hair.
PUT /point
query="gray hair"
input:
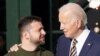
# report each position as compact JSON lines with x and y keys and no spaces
{"x":75,"y":10}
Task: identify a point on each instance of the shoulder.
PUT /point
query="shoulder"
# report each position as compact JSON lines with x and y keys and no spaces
{"x":10,"y":54}
{"x":14,"y":53}
{"x":96,"y":37}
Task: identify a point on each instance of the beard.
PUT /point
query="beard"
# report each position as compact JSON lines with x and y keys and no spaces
{"x":42,"y":42}
{"x":37,"y":41}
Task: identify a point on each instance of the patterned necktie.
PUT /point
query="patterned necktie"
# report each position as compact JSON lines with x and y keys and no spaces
{"x":73,"y":51}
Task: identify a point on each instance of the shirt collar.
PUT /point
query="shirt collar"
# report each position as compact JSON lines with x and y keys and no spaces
{"x":83,"y":36}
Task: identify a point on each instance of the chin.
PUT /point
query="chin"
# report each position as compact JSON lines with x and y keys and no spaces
{"x":42,"y":42}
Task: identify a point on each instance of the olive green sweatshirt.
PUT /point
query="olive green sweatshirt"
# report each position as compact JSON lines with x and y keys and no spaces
{"x":38,"y":52}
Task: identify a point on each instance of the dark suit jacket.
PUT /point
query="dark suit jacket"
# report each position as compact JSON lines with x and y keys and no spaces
{"x":90,"y":48}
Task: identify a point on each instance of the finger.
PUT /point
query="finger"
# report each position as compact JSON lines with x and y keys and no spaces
{"x":19,"y":44}
{"x":14,"y":48}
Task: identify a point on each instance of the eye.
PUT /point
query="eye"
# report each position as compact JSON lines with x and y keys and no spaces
{"x":41,"y":28}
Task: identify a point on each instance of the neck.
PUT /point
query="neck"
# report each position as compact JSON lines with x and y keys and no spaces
{"x":28,"y":46}
{"x":78,"y":33}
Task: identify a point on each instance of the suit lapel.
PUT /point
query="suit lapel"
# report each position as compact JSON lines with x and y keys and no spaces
{"x":69,"y":47}
{"x":87,"y":45}
{"x":68,"y":43}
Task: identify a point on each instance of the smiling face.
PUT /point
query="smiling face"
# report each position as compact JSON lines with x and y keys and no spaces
{"x":37,"y":33}
{"x":68,"y":24}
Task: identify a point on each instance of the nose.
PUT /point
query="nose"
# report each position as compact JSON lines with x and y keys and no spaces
{"x":61,"y":27}
{"x":43,"y":32}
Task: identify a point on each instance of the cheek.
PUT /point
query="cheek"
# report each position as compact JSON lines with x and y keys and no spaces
{"x":39,"y":35}
{"x":73,"y":28}
{"x":68,"y":27}
{"x":35,"y":34}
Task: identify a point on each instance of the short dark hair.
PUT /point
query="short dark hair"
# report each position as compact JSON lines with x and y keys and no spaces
{"x":24,"y":21}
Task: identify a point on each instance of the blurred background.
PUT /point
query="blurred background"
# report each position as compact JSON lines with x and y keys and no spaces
{"x":12,"y":10}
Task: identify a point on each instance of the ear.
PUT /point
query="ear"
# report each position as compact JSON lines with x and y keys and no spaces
{"x":26,"y":35}
{"x":79,"y":23}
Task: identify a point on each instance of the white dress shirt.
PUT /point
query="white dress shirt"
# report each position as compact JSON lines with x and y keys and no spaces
{"x":81,"y":40}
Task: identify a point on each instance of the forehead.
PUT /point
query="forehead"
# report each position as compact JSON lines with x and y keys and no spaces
{"x":36,"y":24}
{"x":63,"y":17}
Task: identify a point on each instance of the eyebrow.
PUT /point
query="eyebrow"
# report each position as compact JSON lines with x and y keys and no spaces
{"x":41,"y":28}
